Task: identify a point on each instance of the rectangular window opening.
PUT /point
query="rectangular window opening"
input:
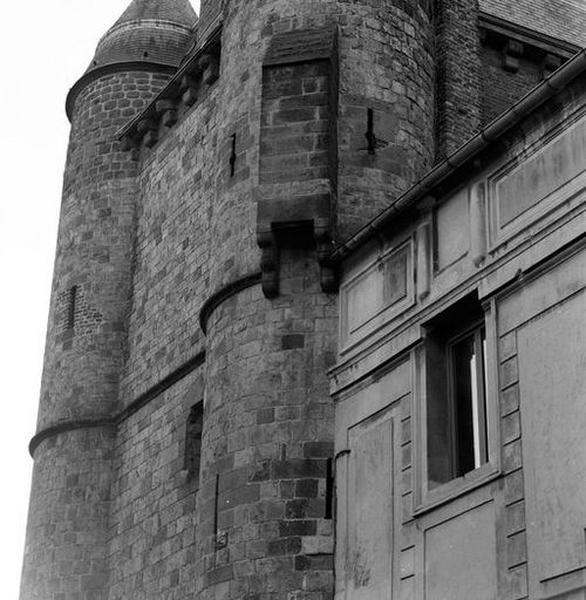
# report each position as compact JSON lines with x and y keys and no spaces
{"x":233,"y":155}
{"x":468,"y":391}
{"x":193,"y":433}
{"x":329,"y":500}
{"x":370,"y":135}
{"x":456,"y":394}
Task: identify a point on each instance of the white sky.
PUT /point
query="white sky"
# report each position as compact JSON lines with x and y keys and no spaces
{"x":44,"y":47}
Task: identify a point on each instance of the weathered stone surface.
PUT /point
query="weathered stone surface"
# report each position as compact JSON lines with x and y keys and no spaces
{"x":331,"y":130}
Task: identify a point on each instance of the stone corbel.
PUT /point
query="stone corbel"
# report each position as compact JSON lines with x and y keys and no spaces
{"x":167,"y":109}
{"x":323,"y":243}
{"x":269,"y":260}
{"x":210,"y":66}
{"x":147,"y":129}
{"x":150,"y":139}
{"x":127,"y":143}
{"x":306,"y":218}
{"x":182,"y":91}
{"x":512,"y":52}
{"x":189,"y":90}
{"x":131,"y":144}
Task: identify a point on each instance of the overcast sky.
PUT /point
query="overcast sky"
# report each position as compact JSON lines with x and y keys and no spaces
{"x":45,"y":46}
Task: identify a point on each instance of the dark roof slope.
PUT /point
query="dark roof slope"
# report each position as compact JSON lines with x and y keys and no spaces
{"x":562,"y":19}
{"x":154,"y":31}
{"x":176,"y":11}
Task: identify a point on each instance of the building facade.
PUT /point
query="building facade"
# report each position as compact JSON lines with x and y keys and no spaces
{"x":317,"y":323}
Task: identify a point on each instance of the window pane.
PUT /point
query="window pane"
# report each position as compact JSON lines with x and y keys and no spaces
{"x":483,"y":431}
{"x":455,"y":388}
{"x":468,"y":381}
{"x":464,"y":383}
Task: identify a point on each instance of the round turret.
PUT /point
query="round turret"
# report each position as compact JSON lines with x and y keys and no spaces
{"x":150,"y":35}
{"x":67,"y":535}
{"x":332,"y":119}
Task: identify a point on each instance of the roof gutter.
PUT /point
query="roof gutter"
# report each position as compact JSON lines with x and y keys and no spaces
{"x":551,"y":86}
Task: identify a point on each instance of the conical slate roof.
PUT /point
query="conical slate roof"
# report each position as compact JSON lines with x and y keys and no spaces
{"x":154,"y":31}
{"x":176,"y":11}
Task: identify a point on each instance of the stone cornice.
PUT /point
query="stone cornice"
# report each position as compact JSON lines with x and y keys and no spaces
{"x":162,"y":386}
{"x":73,"y":425}
{"x":223,"y":294}
{"x":141,"y":401}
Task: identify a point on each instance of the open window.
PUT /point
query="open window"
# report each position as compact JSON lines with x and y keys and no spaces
{"x":457,"y":420}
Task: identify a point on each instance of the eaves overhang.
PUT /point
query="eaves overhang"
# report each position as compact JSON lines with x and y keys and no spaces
{"x":545,"y":42}
{"x":464,"y":156}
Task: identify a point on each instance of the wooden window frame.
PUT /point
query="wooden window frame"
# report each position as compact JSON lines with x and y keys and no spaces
{"x":426,"y":496}
{"x":476,"y":330}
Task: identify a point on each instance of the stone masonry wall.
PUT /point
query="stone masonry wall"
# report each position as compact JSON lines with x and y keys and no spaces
{"x":152,"y":525}
{"x":364,"y":29}
{"x":264,"y":526}
{"x":85,"y":342}
{"x":261,"y":528}
{"x":177,"y":191}
{"x":502,"y":87}
{"x":65,"y":550}
{"x":458,"y":82}
{"x":123,"y":518}
{"x":386,"y":66}
{"x":295,"y":140}
{"x":94,"y":253}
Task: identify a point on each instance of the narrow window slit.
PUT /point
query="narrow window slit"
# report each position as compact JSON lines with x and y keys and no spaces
{"x":216,"y":504}
{"x":220,"y":537}
{"x":233,"y":156}
{"x":193,"y":432}
{"x":370,"y":135}
{"x":329,"y":509}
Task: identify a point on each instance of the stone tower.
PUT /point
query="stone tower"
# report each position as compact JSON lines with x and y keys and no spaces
{"x":185,"y":437}
{"x":294,"y":169}
{"x":66,"y":546}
